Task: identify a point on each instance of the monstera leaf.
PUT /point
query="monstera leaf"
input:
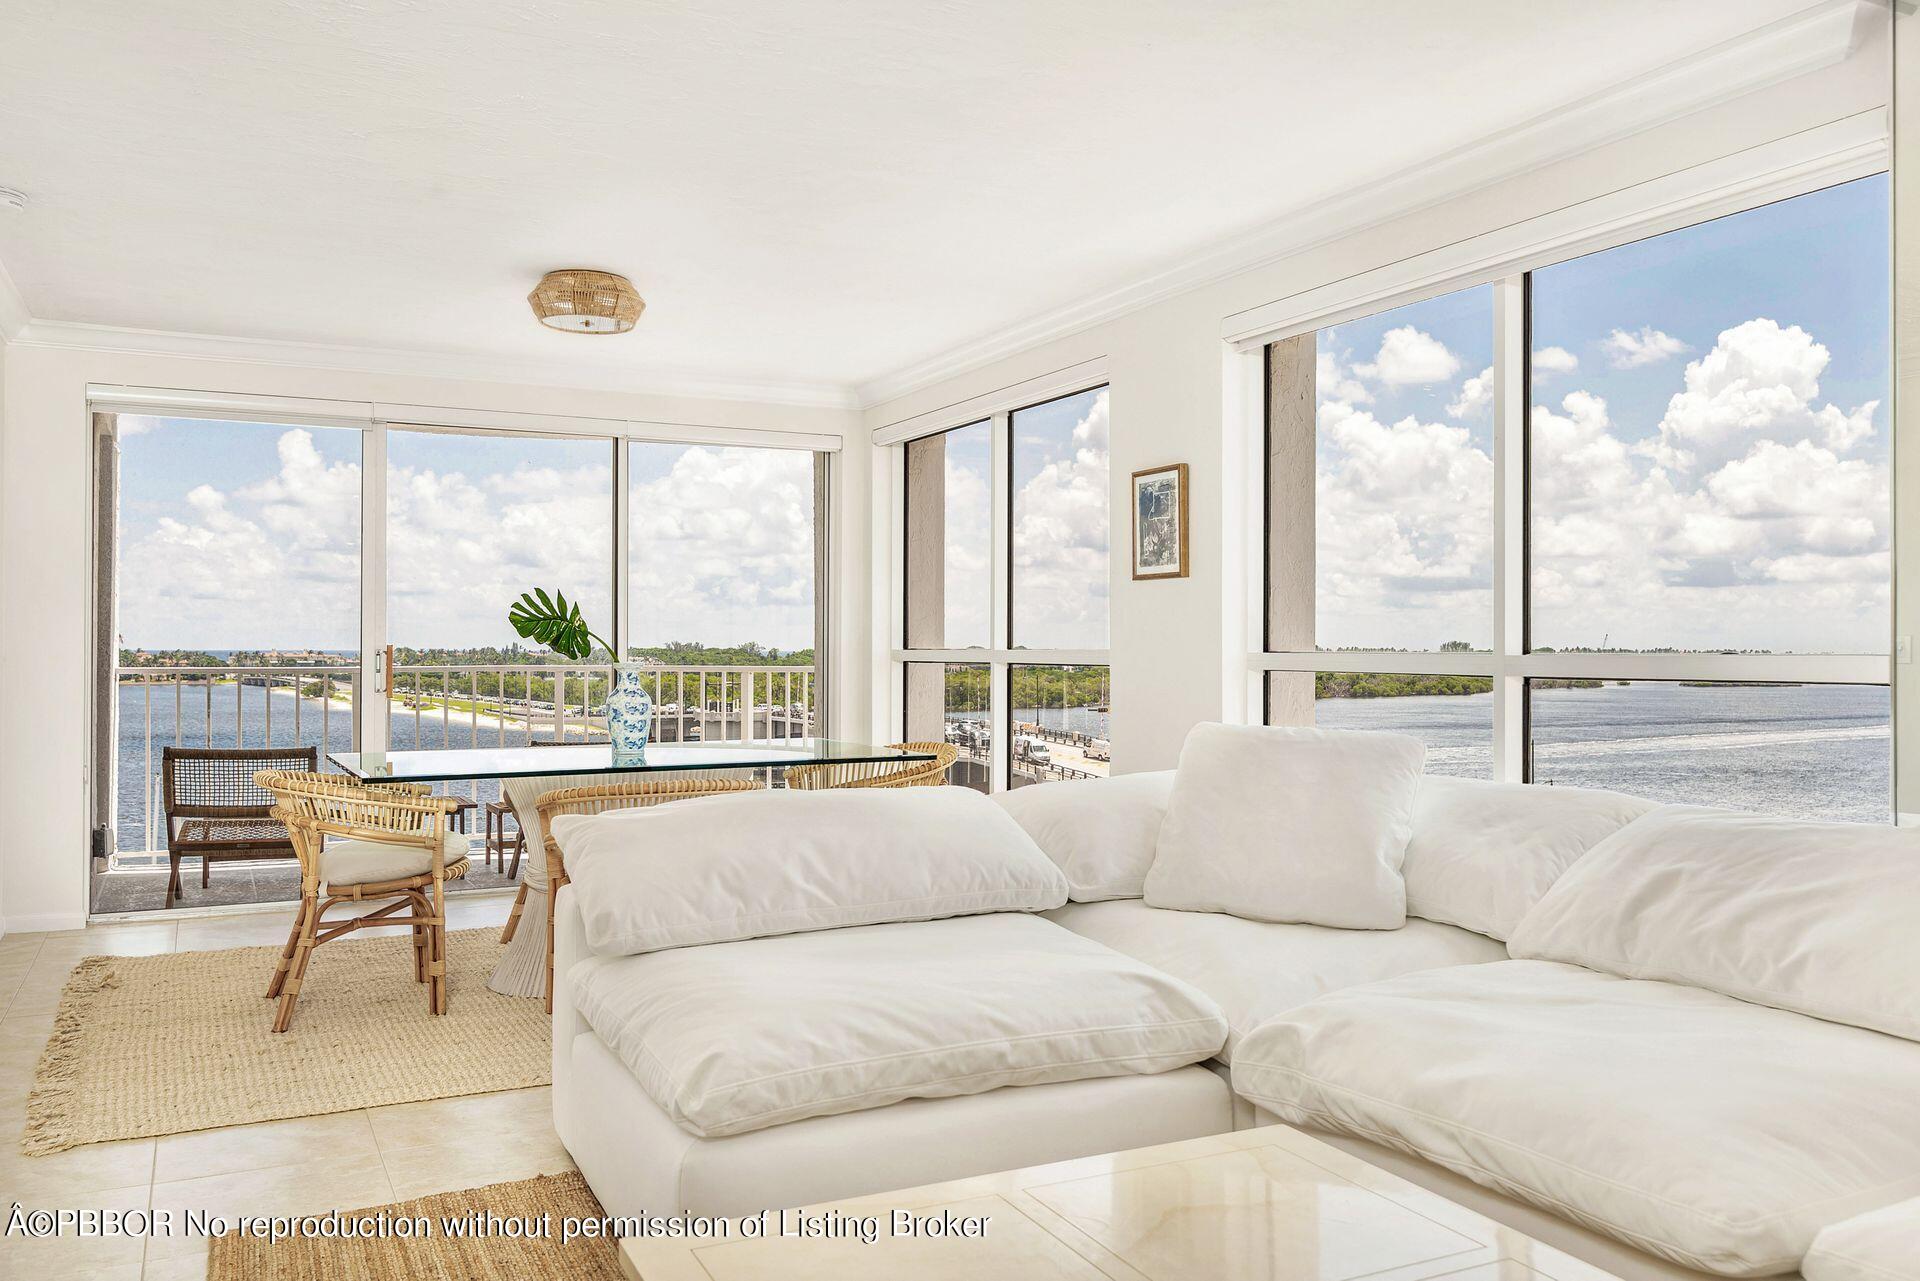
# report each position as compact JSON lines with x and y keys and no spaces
{"x":551,"y":621}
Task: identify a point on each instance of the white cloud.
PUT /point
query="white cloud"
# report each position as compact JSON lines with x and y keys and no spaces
{"x":1061,"y":538}
{"x":1743,"y":519}
{"x":1554,"y":360}
{"x":1404,"y":540}
{"x":1759,"y":381}
{"x":1648,"y":347}
{"x":723,"y":552}
{"x":1332,"y":383}
{"x":1740,"y":523}
{"x":1410,"y":356}
{"x":1476,"y":394}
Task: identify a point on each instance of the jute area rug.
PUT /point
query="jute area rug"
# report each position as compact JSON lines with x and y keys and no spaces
{"x":151,"y":1045}
{"x":430,"y":1237}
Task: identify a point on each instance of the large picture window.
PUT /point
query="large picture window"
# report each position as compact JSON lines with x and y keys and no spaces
{"x":1005,"y":554}
{"x":1681,"y":589}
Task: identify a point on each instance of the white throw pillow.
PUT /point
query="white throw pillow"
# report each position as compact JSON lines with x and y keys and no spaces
{"x":717,"y":868}
{"x":1286,"y":824}
{"x":1482,"y":854}
{"x":1101,"y":831}
{"x":1822,"y":918}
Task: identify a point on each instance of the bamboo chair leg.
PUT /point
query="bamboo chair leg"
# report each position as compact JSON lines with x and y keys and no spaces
{"x":513,"y":917}
{"x":279,"y":978}
{"x":418,"y":907}
{"x":553,"y":896}
{"x":206,"y":869}
{"x":437,"y":949}
{"x":303,"y":951}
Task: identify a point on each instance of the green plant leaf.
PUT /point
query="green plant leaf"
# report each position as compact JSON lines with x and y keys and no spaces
{"x":552,"y":622}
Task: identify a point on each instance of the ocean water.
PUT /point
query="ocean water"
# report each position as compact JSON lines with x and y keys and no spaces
{"x":1806,"y":751}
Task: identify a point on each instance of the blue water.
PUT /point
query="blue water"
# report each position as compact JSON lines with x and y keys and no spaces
{"x":1809,"y":751}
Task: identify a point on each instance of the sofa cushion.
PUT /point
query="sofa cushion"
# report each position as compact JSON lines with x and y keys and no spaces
{"x":1482,"y":853}
{"x":352,"y":862}
{"x":741,"y":1036}
{"x":1254,"y":970}
{"x":1101,"y":831}
{"x":1279,"y":823}
{"x":1709,"y":1131}
{"x":1823,"y":918}
{"x":718,"y":868}
{"x":1880,"y":1245}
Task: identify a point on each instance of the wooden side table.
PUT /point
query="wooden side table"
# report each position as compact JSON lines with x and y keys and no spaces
{"x":1265,"y":1203}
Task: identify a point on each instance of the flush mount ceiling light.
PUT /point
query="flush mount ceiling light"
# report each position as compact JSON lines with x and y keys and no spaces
{"x":586,"y":302}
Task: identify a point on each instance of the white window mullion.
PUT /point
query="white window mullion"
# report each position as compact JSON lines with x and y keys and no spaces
{"x":372,"y":699}
{"x":622,"y":597}
{"x":999,"y":678}
{"x":1509,"y":527}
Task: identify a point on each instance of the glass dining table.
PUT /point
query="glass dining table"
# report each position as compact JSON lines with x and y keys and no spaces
{"x":442,"y":765}
{"x":527,"y":772}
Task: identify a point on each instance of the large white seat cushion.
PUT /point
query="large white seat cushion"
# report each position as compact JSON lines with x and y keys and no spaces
{"x":353,"y":862}
{"x":1703,"y":1129}
{"x":1256,"y":969}
{"x":735,"y":1037}
{"x":639,"y":1162}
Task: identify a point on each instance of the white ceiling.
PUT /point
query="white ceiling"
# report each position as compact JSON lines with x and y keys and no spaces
{"x":819,"y":193}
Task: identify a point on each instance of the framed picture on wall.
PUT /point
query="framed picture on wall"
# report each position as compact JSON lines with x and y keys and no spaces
{"x":1160,"y":522}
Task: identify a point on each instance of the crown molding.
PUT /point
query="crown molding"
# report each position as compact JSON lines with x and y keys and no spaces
{"x":72,"y":335}
{"x":1816,"y":37}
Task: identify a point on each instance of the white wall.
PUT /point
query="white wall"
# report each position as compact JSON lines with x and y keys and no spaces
{"x":1176,"y":642}
{"x":44,"y":580}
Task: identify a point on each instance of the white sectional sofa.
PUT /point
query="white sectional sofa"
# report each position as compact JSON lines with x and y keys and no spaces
{"x":1547,"y":1036}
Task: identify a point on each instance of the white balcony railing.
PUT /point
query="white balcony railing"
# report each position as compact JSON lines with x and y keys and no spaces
{"x":428,"y":706}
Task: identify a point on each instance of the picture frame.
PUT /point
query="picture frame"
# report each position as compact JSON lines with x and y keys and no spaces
{"x":1160,"y":522}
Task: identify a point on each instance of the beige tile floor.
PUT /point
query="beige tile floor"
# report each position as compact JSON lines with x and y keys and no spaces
{"x":344,"y":1161}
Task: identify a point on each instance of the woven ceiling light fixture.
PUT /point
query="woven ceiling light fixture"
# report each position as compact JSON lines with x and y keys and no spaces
{"x":586,"y":302}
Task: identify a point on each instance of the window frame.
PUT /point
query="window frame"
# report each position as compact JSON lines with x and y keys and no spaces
{"x":999,"y":657}
{"x":375,"y":420}
{"x":1512,"y":660}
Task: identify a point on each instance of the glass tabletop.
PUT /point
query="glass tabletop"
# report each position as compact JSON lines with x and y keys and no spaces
{"x":438,"y":766}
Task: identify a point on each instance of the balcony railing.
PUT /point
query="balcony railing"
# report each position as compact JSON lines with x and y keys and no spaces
{"x":440,"y":705}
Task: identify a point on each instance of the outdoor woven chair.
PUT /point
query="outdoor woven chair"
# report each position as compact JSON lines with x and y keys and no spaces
{"x":395,"y":846}
{"x":216,"y":812}
{"x":879,"y":773}
{"x":598,"y":799}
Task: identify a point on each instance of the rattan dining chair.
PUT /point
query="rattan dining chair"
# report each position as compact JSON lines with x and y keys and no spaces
{"x":395,"y":846}
{"x":931,"y":773}
{"x":519,"y":845}
{"x":600,"y":798}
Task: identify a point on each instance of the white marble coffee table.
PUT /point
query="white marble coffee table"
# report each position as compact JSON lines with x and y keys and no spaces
{"x":1268,"y":1203}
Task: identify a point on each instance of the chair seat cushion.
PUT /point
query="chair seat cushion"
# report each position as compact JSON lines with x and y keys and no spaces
{"x":1709,"y":1131}
{"x":734,"y":1037}
{"x":365,"y":862}
{"x":1256,"y":969}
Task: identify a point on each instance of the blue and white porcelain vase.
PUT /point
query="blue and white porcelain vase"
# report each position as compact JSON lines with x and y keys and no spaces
{"x":629,"y":711}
